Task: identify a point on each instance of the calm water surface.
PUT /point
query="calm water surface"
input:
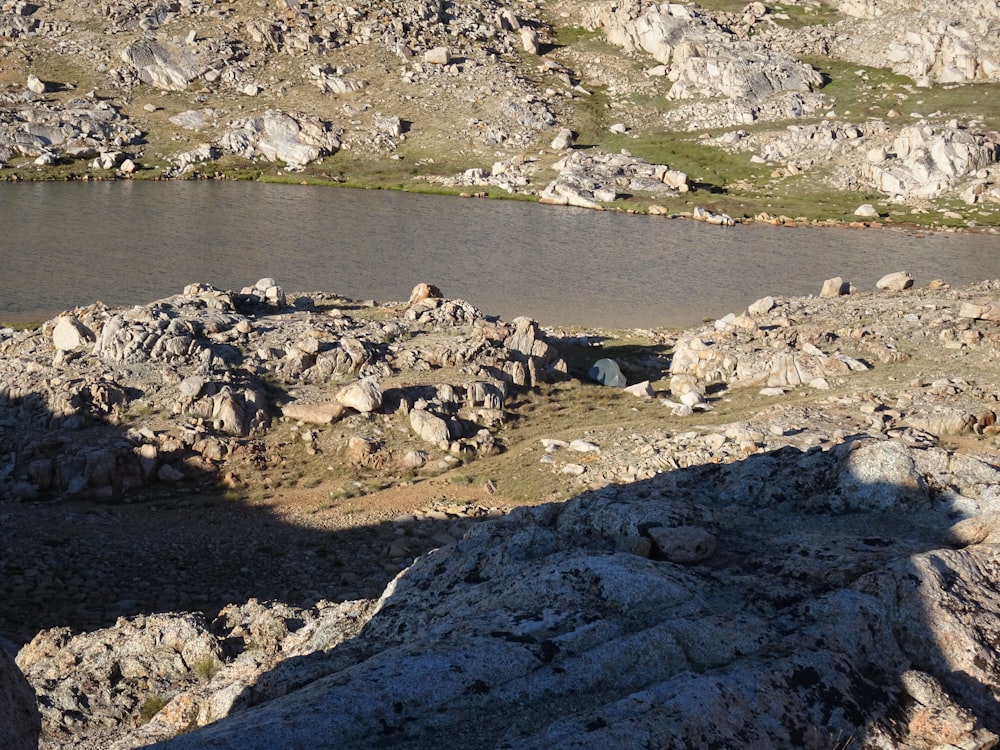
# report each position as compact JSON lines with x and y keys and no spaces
{"x":69,"y":244}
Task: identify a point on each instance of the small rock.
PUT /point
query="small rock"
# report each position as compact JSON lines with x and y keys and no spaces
{"x":192,"y":385}
{"x":69,"y":334}
{"x":897,"y":281}
{"x":412,"y":460}
{"x":359,"y":449}
{"x":424,"y":291}
{"x":989,"y":311}
{"x":327,"y":412}
{"x":563,"y":140}
{"x":761,"y":307}
{"x":867,"y":211}
{"x":691,"y":398}
{"x":641,"y":390}
{"x":438,"y":56}
{"x":364,"y":396}
{"x":834,"y":287}
{"x":683,"y":544}
{"x":429,"y":427}
{"x":529,"y":40}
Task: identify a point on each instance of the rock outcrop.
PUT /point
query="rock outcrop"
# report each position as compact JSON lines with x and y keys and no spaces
{"x":675,"y":610}
{"x":278,"y":136}
{"x":588,"y":180}
{"x":703,"y":60}
{"x":926,"y":161}
{"x":928,"y":42}
{"x":163,"y":65}
{"x":79,"y":129}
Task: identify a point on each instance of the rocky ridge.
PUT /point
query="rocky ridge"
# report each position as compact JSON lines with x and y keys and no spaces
{"x":806,"y":500}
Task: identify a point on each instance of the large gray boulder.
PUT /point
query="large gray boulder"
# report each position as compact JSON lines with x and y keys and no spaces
{"x":821,"y":603}
{"x":162,"y":65}
{"x":278,"y":136}
{"x":704,"y":60}
{"x":928,"y":160}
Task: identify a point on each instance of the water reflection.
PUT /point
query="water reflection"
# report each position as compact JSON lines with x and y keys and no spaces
{"x":66,"y":244}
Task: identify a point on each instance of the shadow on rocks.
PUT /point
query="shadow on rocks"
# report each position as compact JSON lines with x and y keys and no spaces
{"x":839,"y":598}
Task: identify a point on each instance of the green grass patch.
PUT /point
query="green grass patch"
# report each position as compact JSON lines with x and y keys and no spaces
{"x":801,"y":15}
{"x":151,"y":707}
{"x":577,"y":36}
{"x":27,"y":325}
{"x":862,"y":91}
{"x":707,"y":167}
{"x":207,"y":668}
{"x":792,"y":16}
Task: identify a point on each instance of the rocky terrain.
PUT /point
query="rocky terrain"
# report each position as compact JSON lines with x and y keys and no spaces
{"x":804,"y":110}
{"x":256,"y":518}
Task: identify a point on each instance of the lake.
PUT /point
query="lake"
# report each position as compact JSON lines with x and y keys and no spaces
{"x":69,"y":244}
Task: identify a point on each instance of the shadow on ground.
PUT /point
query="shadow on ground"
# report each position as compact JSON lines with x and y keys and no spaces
{"x":824,"y":591}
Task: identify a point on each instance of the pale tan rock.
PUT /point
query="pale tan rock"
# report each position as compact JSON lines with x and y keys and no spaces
{"x":640,"y":390}
{"x":424,"y":291}
{"x":326,"y":412}
{"x":429,"y":427}
{"x":897,"y":281}
{"x":363,"y":396}
{"x":980,"y":529}
{"x":438,"y":56}
{"x":412,"y":460}
{"x":529,"y":40}
{"x":35,"y":84}
{"x":230,"y":414}
{"x":359,"y":449}
{"x":761,"y":306}
{"x":69,"y":334}
{"x":989,"y":311}
{"x":834,"y":287}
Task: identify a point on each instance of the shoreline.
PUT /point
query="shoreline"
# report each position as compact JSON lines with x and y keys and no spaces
{"x":277,"y":177}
